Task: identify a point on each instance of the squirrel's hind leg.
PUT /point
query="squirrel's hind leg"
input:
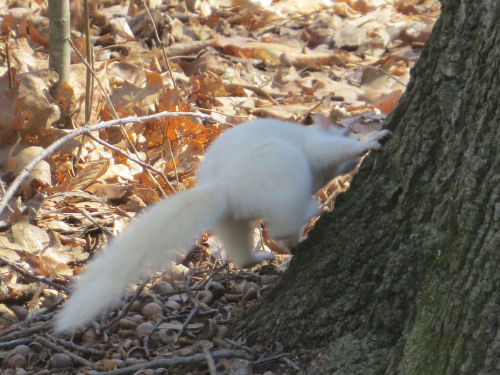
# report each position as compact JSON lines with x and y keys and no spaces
{"x":235,"y":236}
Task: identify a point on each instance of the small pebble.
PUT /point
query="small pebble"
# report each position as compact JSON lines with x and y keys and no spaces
{"x":127,"y":323}
{"x":111,"y":364}
{"x":17,"y":361}
{"x":217,"y":289}
{"x":163,"y":287}
{"x":151,"y":310}
{"x":136,"y":306}
{"x":143,"y":330}
{"x":24,"y":350}
{"x":60,"y":360}
{"x":205,"y":296}
{"x":167,"y":336}
{"x":173,"y":305}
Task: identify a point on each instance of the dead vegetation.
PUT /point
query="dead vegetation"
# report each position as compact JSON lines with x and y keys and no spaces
{"x":219,"y":63}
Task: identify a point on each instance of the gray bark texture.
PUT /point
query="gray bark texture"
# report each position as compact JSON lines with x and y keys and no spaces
{"x":404,"y":276}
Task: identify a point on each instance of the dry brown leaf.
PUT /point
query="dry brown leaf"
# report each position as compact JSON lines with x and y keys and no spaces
{"x":55,"y":261}
{"x":30,"y":237}
{"x":110,"y":191}
{"x":41,"y":173}
{"x":88,"y":174}
{"x":33,"y":102}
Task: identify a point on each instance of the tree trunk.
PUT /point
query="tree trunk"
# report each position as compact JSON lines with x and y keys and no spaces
{"x":59,"y":36}
{"x":404,"y":276}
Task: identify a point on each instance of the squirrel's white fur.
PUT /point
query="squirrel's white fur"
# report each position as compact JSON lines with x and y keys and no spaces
{"x":262,"y":169}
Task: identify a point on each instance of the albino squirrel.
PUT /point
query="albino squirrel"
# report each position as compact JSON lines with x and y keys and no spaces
{"x":264,"y":169}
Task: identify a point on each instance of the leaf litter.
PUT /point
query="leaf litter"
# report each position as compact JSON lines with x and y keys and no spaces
{"x":228,"y":60}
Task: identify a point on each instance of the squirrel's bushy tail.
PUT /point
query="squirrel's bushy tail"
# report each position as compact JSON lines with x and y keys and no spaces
{"x":150,"y":242}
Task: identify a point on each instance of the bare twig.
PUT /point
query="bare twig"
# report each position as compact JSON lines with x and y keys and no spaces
{"x":16,"y":342}
{"x":173,"y":162}
{"x":115,"y":113}
{"x":27,"y":331}
{"x":7,"y":57}
{"x":160,"y":43}
{"x":83,"y":349}
{"x":379,"y":70}
{"x":126,"y":308}
{"x":84,"y":130}
{"x":269,"y":358}
{"x":189,"y":318}
{"x":2,"y":191}
{"x":60,"y":349}
{"x":290,"y":363}
{"x":177,"y":361}
{"x":135,"y":160}
{"x":31,"y":276}
{"x":91,"y":219}
{"x":22,"y":325}
{"x":215,"y":271}
{"x":209,"y":358}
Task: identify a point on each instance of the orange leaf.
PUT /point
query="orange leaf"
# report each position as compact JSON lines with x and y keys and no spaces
{"x":388,"y":102}
{"x":19,"y":118}
{"x":35,"y":35}
{"x":7,"y":23}
{"x":153,"y":80}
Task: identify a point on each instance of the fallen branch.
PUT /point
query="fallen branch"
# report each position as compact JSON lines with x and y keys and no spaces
{"x":13,"y":343}
{"x":22,"y":325}
{"x":177,"y":361}
{"x":27,"y":331}
{"x":84,"y":130}
{"x":33,"y":277}
{"x":208,"y":357}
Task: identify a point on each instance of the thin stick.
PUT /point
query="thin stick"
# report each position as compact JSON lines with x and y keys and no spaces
{"x":135,"y":160}
{"x":57,"y":348}
{"x":378,"y":69}
{"x":22,"y":325}
{"x":160,"y":43}
{"x":173,"y":162}
{"x":126,"y":308}
{"x":2,"y":190}
{"x":71,"y":345}
{"x":209,"y":359}
{"x":177,"y":361}
{"x":290,"y":363}
{"x":16,"y":342}
{"x":31,"y":276}
{"x":27,"y":331}
{"x":9,"y":71}
{"x":124,"y":132}
{"x":84,"y":130}
{"x":91,"y":219}
{"x":189,"y":318}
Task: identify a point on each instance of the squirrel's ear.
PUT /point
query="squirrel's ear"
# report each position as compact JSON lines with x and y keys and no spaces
{"x":321,"y":121}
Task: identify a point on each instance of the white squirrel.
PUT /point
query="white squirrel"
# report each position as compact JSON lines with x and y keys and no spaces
{"x":263,"y":169}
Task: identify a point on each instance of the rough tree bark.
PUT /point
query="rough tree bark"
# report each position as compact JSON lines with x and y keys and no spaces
{"x":404,"y":276}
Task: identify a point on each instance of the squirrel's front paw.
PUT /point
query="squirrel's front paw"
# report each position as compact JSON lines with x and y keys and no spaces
{"x":257,"y":258}
{"x":375,"y":138}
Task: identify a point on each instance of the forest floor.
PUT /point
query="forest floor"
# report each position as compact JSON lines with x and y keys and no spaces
{"x":222,"y":62}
